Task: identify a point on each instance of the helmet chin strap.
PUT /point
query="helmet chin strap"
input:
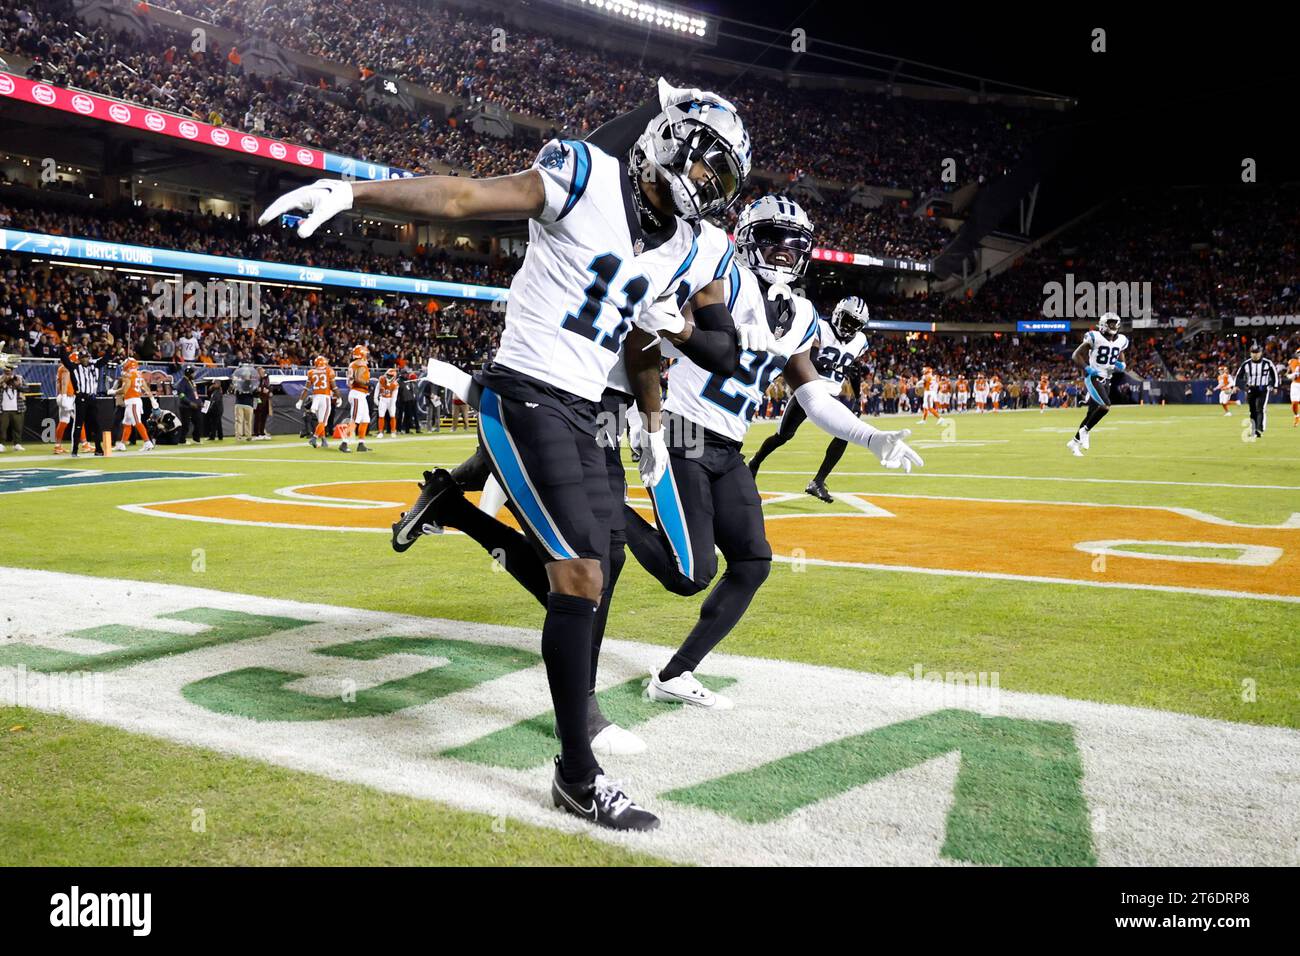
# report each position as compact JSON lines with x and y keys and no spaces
{"x":651,"y":219}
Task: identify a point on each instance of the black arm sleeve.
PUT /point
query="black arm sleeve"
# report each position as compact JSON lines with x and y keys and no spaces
{"x":712,"y":345}
{"x":621,"y":133}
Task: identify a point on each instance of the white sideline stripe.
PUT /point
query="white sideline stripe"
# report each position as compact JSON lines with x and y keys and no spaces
{"x":1172,"y":789}
{"x":1042,"y":579}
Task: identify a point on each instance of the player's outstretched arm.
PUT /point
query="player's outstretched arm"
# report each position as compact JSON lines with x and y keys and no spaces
{"x":830,"y":416}
{"x":517,"y":196}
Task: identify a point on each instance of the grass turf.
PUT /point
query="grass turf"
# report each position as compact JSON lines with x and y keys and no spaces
{"x":76,"y":794}
{"x":1183,"y":652}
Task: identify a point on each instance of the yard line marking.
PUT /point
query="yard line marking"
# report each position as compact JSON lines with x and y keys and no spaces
{"x":1097,"y":481}
{"x":1042,"y":579}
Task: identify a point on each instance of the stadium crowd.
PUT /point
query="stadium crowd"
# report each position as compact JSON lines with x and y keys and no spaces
{"x":838,"y":138}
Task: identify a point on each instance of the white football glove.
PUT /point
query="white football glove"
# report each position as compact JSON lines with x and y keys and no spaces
{"x":893,"y":451}
{"x":755,"y":337}
{"x":659,"y":317}
{"x":670,"y":95}
{"x":654,"y":457}
{"x":321,"y":201}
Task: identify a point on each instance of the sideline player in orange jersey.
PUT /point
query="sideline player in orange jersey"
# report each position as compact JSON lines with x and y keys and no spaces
{"x":963,"y":392}
{"x":1044,"y":393}
{"x":1227,"y":388}
{"x":995,"y":392}
{"x":386,"y":400}
{"x":945,"y":395}
{"x":133,"y":389}
{"x":929,"y":394}
{"x":1293,"y":373}
{"x":358,"y":397}
{"x":65,"y":400}
{"x":981,"y":392}
{"x":320,"y":382}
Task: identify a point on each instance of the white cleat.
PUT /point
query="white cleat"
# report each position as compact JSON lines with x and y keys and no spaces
{"x":1084,"y":441}
{"x":614,"y":741}
{"x":148,"y":446}
{"x":685,"y":689}
{"x":1075,"y":447}
{"x":120,"y":446}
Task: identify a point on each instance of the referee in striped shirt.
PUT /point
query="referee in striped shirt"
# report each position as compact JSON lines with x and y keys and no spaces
{"x":85,"y":381}
{"x":1257,"y":376}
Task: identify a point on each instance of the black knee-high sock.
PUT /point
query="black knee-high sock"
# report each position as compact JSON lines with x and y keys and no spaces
{"x":502,"y":542}
{"x":1095,"y":414}
{"x":617,"y":558}
{"x":472,"y":473}
{"x":770,"y":444}
{"x":834,"y":452}
{"x":596,"y":720}
{"x":721,"y":611}
{"x":566,"y":649}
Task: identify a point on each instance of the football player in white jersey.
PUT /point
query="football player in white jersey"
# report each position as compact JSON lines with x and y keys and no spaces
{"x":840,"y":340}
{"x":707,"y":496}
{"x":1099,"y":355}
{"x":607,"y":236}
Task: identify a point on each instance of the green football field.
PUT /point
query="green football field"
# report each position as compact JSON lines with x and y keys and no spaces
{"x":1158,"y":576}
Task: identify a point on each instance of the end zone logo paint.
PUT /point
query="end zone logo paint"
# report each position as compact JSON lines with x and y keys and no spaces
{"x":14,"y":480}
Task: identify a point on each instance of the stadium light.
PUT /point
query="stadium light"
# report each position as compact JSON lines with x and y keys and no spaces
{"x":669,"y":19}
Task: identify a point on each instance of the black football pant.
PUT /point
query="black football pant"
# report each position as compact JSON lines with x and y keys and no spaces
{"x":1257,"y":398}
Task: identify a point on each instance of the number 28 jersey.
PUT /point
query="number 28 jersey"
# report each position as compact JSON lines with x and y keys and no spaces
{"x":1103,"y":353}
{"x":726,"y":404}
{"x":832,"y":357}
{"x":584,"y":278}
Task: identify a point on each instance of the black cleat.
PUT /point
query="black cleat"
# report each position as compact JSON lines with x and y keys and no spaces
{"x":818,"y":490}
{"x":422,"y":518}
{"x":361,"y":446}
{"x":602,"y":802}
{"x":313,"y":441}
{"x":343,"y":447}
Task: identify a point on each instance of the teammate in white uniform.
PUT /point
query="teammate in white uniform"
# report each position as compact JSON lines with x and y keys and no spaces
{"x":1100,"y":355}
{"x":707,"y":498}
{"x":840,"y":341}
{"x":608,"y":236}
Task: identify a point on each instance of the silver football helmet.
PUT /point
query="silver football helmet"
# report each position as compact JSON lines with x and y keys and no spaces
{"x":775,"y":239}
{"x":849,"y":318}
{"x":700,"y":148}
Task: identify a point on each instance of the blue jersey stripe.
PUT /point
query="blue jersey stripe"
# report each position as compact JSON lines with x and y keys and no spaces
{"x":581,"y":173}
{"x":686,"y":263}
{"x":668,"y":509}
{"x":725,"y":263}
{"x":501,"y":448}
{"x":735,"y":286}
